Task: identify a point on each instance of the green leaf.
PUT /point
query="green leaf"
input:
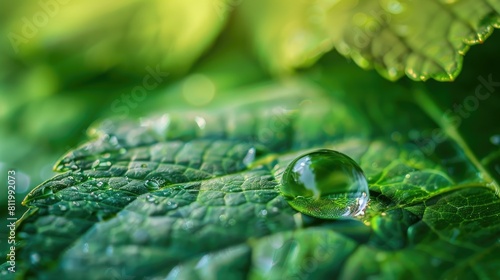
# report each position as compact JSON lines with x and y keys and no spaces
{"x":125,"y":36}
{"x":422,"y":39}
{"x":196,"y":195}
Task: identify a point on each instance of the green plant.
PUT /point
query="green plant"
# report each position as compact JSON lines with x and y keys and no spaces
{"x":183,"y":181}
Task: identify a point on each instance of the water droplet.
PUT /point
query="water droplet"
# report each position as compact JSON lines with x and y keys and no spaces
{"x":105,"y":164}
{"x":249,"y":157}
{"x":152,"y":184}
{"x":73,"y":188}
{"x":76,"y":203}
{"x":122,"y":151}
{"x":106,"y":155}
{"x":47,"y":191}
{"x":150,"y":198}
{"x":95,"y":163}
{"x":99,"y":184}
{"x":171,"y":205}
{"x":63,"y":207}
{"x":263,"y":212}
{"x":325,"y":184}
{"x":223,"y":218}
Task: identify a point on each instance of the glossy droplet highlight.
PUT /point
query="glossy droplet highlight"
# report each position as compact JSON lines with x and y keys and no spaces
{"x":325,"y":184}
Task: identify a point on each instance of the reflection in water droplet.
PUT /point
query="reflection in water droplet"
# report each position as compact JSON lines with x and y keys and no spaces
{"x":325,"y":184}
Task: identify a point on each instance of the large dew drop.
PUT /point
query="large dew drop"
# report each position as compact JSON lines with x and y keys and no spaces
{"x":325,"y":184}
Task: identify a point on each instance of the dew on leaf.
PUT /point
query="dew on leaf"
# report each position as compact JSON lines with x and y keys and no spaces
{"x":46,"y":191}
{"x":325,"y":184}
{"x":171,"y":205}
{"x":152,"y":184}
{"x":249,"y":157}
{"x":150,"y":198}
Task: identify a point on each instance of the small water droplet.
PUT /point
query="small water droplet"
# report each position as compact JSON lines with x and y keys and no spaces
{"x":76,"y":203}
{"x":223,"y":218}
{"x":95,"y":164}
{"x":249,"y":157}
{"x":152,"y":184}
{"x":73,"y":188}
{"x":99,"y":184}
{"x":263,"y":212}
{"x":106,"y":155}
{"x":105,"y":164}
{"x":47,"y":191}
{"x":150,"y":198}
{"x":122,"y":151}
{"x":325,"y":184}
{"x":171,"y":205}
{"x":63,"y":207}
